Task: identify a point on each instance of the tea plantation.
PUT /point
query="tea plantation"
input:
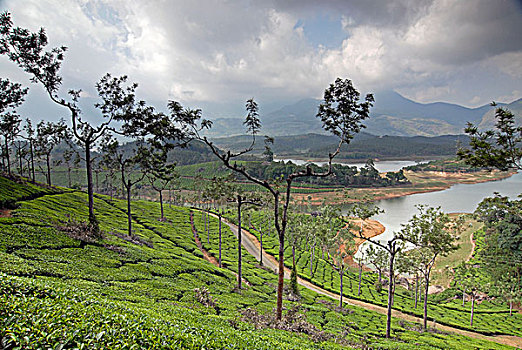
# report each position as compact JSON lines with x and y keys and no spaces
{"x":491,"y":317}
{"x":63,"y":289}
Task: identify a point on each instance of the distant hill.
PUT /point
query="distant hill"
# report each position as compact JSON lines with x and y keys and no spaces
{"x":363,"y":146}
{"x":392,"y":115}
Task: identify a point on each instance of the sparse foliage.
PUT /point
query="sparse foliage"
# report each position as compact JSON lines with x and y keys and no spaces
{"x":500,"y":148}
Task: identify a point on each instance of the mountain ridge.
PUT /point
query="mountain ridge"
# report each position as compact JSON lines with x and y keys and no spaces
{"x":392,"y":114}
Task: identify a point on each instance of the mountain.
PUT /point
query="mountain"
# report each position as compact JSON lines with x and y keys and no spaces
{"x":294,"y":119}
{"x":392,"y":114}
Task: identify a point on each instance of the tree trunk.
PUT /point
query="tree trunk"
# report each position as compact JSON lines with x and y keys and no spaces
{"x":393,"y":292}
{"x":281,"y":277}
{"x":32,"y":160}
{"x":3,"y":161}
{"x":20,"y":158}
{"x":7,"y":156}
{"x":390,"y":298}
{"x":69,"y":176}
{"x":205,"y":213}
{"x":472,"y":308}
{"x":293,"y":256}
{"x":426,"y":285}
{"x":261,"y":247}
{"x":416,"y":291}
{"x":463,"y":298}
{"x":239,"y":242}
{"x":341,"y":273}
{"x":129,"y":215}
{"x":161,"y":203}
{"x":208,"y":224}
{"x":48,"y":163}
{"x":88,"y":164}
{"x":360,"y":278}
{"x":511,"y":308}
{"x":219,"y":214}
{"x":312,"y":251}
{"x":110,"y":188}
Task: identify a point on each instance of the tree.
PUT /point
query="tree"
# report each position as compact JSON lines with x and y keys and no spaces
{"x":48,"y":136}
{"x":316,"y":232}
{"x":429,"y":232}
{"x":11,"y":96}
{"x":295,"y":236}
{"x":499,"y":148}
{"x":20,"y":152}
{"x":269,"y":155}
{"x":128,"y":162}
{"x":501,"y":257}
{"x":67,"y":158}
{"x":393,"y":247}
{"x":263,"y":228}
{"x":241,"y":200}
{"x":341,"y":114}
{"x":221,"y":190}
{"x":468,"y":275}
{"x":159,"y":173}
{"x":118,"y":102}
{"x":109,"y":162}
{"x":378,"y":257}
{"x":31,"y":138}
{"x":340,"y":245}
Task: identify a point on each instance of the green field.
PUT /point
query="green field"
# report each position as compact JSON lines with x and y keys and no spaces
{"x":144,"y":290}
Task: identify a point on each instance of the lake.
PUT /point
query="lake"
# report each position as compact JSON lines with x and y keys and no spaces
{"x":458,"y":198}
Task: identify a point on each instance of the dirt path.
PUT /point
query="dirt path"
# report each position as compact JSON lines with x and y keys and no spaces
{"x":206,"y":254}
{"x":473,"y":245}
{"x":252,"y":245}
{"x":5,"y":213}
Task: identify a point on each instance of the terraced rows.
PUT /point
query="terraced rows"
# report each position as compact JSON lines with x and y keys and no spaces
{"x":491,"y":317}
{"x":121,"y":291}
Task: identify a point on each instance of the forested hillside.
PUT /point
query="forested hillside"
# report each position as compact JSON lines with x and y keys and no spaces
{"x":362,"y":147}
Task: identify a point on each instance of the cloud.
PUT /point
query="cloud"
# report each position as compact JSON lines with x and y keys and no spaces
{"x":221,"y":52}
{"x":457,"y":32}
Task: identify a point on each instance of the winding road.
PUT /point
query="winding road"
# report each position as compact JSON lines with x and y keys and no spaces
{"x":252,"y":245}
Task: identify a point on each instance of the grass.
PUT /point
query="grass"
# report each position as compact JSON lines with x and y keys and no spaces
{"x":452,"y":260}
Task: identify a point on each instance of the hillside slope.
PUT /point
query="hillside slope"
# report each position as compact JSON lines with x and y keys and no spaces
{"x":62,"y":288}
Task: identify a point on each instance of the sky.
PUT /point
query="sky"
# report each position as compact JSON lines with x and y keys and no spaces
{"x":216,"y":54}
